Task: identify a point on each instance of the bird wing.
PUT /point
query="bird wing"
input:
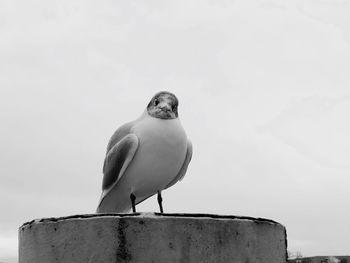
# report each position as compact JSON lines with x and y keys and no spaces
{"x":121,"y":150}
{"x":119,"y":134}
{"x":183,"y":169}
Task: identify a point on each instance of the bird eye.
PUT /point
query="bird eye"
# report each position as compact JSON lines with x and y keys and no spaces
{"x":156,"y":102}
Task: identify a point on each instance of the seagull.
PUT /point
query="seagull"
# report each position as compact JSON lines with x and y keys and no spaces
{"x":145,"y":157}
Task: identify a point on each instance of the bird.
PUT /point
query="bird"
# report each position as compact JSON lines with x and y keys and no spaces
{"x":145,"y":157}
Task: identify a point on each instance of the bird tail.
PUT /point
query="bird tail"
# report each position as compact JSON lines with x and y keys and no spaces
{"x":103,"y":207}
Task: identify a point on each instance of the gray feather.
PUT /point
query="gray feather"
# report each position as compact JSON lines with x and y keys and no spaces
{"x":117,"y":160}
{"x":119,"y":134}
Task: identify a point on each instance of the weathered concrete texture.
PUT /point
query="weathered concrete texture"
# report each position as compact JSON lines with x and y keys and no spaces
{"x":152,"y":238}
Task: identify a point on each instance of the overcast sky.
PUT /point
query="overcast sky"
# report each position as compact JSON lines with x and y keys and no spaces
{"x":264,"y":90}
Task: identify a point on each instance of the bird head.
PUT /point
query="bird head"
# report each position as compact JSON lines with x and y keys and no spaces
{"x":163,"y":105}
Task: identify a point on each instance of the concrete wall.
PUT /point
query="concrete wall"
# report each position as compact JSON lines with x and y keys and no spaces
{"x":152,"y":238}
{"x":321,"y":259}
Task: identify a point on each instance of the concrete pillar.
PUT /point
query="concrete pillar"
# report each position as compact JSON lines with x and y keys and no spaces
{"x":152,"y":237}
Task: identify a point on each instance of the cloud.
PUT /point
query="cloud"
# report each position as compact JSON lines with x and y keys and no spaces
{"x":8,"y":246}
{"x":315,"y":127}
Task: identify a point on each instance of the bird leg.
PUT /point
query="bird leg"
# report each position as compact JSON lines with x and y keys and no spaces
{"x":133,"y":198}
{"x":160,"y":200}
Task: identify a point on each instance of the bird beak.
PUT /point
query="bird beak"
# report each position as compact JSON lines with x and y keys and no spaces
{"x":165,"y":107}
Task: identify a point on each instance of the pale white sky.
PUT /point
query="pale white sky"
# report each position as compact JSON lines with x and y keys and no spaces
{"x":264,"y":90}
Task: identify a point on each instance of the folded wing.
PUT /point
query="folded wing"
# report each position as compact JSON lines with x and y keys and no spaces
{"x":120,"y":152}
{"x":185,"y":164}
